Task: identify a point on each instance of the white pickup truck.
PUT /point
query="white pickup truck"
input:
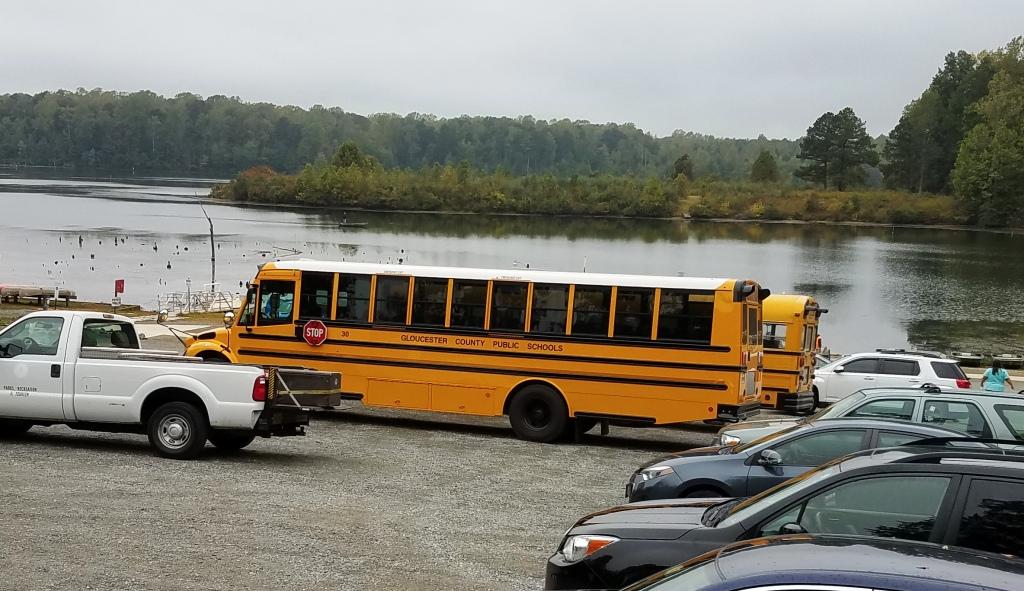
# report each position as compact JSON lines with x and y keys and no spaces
{"x":86,"y":370}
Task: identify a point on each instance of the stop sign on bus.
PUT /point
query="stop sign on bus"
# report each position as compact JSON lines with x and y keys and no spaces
{"x":314,"y":333}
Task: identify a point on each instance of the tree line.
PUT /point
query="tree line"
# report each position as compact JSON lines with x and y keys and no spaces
{"x":189,"y":134}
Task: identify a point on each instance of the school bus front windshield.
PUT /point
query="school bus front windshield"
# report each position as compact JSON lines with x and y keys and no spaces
{"x":556,"y":352}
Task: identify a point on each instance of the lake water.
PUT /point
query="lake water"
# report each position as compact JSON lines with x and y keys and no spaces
{"x":884,"y":287}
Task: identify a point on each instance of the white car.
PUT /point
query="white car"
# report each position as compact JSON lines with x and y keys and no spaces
{"x":885,"y":369}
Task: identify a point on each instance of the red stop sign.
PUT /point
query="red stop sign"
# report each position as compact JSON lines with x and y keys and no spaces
{"x":314,"y":333}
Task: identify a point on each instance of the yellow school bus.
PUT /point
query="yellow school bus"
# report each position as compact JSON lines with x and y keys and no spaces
{"x":556,"y":352}
{"x":790,"y":335}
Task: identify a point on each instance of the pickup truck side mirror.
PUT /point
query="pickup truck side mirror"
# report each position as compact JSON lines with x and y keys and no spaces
{"x":838,"y":369}
{"x":770,"y":457}
{"x":11,"y":350}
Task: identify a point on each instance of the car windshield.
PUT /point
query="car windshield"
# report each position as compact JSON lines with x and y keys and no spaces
{"x":766,"y":438}
{"x":741,"y":510}
{"x":840,"y":408}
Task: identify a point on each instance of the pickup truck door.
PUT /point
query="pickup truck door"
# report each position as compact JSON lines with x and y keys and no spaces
{"x":31,"y":371}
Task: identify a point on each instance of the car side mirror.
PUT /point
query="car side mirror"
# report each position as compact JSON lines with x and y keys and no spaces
{"x":770,"y":457}
{"x":229,"y":319}
{"x":12,"y":350}
{"x":838,"y":369}
{"x":792,"y":528}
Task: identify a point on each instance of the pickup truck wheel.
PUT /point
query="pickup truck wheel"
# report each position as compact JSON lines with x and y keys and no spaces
{"x":231,"y":440}
{"x":177,"y":430}
{"x":13,"y":428}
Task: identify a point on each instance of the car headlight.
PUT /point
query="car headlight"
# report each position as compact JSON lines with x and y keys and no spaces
{"x":728,"y":440}
{"x":576,"y":548}
{"x":654,"y":472}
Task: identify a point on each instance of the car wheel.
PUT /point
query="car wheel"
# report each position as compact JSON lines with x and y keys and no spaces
{"x":538,"y":413}
{"x":703,"y":493}
{"x":177,"y":430}
{"x":231,"y":440}
{"x":13,"y":428}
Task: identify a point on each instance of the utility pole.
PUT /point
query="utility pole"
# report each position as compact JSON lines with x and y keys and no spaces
{"x":213,"y":253}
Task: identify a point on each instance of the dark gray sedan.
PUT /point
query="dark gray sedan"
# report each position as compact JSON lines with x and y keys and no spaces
{"x":750,"y":468}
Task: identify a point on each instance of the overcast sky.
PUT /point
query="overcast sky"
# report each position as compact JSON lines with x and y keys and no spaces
{"x":730,"y":68}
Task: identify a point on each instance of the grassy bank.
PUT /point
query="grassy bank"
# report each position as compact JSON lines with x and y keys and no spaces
{"x":755,"y":201}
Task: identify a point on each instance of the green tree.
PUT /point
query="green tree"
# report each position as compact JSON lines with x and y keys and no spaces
{"x":989,"y":172}
{"x":923,"y":146}
{"x":683,"y":166}
{"x":765,"y":169}
{"x":837,"y":147}
{"x":349,"y":156}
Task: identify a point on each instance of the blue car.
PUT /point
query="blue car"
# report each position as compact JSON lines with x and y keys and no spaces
{"x":747,"y":469}
{"x":839,"y":564}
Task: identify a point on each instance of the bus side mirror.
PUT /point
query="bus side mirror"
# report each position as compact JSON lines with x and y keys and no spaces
{"x":229,"y":318}
{"x":161,"y":317}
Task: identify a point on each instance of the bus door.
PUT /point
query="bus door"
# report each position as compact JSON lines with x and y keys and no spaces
{"x":275,"y":304}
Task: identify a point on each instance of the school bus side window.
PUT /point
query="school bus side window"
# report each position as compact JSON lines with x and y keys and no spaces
{"x":429,"y":297}
{"x":590,"y":308}
{"x":508,"y":307}
{"x":685,"y":316}
{"x":315,"y":295}
{"x":353,"y":303}
{"x":550,"y":309}
{"x":276,"y":302}
{"x":392,"y":299}
{"x":634,"y":310}
{"x":469,"y":304}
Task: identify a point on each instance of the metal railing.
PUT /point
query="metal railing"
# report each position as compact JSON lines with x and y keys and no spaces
{"x":180,"y":302}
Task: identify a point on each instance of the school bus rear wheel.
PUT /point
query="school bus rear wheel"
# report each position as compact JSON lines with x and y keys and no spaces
{"x":538,"y":413}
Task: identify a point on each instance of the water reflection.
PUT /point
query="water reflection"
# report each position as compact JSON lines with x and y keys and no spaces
{"x":884,"y":286}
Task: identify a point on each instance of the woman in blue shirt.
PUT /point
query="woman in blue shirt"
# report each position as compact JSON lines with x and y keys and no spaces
{"x":994,"y":379}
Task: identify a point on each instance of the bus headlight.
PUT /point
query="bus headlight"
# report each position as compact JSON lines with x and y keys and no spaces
{"x":654,"y":472}
{"x":576,"y":548}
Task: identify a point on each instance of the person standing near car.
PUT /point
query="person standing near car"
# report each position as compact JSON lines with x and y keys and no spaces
{"x":995,"y":379}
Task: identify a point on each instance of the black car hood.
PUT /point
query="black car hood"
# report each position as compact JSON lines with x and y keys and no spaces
{"x":652,"y":520}
{"x":697,"y":452}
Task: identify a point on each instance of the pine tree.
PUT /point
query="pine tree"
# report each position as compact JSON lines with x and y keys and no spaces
{"x":837,"y":147}
{"x":765,"y":169}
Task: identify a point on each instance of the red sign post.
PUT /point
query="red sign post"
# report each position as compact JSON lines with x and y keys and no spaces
{"x":314,"y":333}
{"x":118,"y":287}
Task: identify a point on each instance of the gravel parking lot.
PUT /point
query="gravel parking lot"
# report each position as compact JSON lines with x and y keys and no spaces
{"x":369,"y":499}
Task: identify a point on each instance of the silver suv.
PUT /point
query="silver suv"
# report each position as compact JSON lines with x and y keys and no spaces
{"x":971,"y":412}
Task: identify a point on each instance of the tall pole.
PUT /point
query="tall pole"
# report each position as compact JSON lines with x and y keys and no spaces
{"x":213,"y":253}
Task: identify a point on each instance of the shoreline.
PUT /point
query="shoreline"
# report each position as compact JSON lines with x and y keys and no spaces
{"x":299,"y":207}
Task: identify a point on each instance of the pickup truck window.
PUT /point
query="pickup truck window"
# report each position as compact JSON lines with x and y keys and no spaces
{"x":276,"y":302}
{"x":109,"y":333}
{"x":39,"y":335}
